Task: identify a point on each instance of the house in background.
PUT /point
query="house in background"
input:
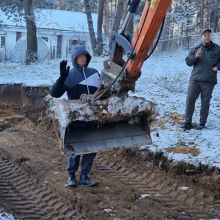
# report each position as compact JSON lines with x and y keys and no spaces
{"x":58,"y":29}
{"x":19,"y":51}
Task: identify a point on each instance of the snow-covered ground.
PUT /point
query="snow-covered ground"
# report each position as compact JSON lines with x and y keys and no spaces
{"x":5,"y":216}
{"x":164,"y":80}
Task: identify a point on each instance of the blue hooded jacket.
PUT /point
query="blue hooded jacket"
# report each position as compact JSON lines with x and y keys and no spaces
{"x":81,"y":80}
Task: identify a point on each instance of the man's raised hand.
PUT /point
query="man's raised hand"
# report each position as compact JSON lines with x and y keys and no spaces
{"x":199,"y":53}
{"x":64,"y":72}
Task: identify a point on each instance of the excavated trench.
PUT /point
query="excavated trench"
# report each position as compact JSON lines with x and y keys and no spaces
{"x":133,"y":184}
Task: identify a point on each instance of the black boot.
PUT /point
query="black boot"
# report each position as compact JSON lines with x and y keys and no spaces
{"x":71,"y":180}
{"x":85,"y":181}
{"x":186,"y":126}
{"x":201,"y":126}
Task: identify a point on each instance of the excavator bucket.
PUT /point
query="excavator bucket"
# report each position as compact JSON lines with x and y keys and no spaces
{"x":22,"y":95}
{"x":90,"y":127}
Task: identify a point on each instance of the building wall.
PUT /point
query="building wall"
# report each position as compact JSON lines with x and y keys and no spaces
{"x":51,"y":35}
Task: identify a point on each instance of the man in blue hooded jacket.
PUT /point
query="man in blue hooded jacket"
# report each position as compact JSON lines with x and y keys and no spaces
{"x":79,"y":80}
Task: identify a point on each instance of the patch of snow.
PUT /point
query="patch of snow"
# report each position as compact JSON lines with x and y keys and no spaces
{"x":184,"y":188}
{"x":212,"y":219}
{"x":108,"y":210}
{"x":6,"y":216}
{"x":144,"y":195}
{"x":144,"y":148}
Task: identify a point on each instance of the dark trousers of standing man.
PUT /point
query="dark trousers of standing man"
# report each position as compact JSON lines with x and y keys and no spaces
{"x":195,"y":89}
{"x":86,"y":163}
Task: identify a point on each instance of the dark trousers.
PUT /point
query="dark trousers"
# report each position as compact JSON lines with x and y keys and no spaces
{"x":195,"y":89}
{"x":86,"y":163}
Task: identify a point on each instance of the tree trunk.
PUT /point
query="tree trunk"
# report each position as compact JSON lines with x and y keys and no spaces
{"x":90,"y":25}
{"x":166,"y":30}
{"x":107,"y":17}
{"x":214,"y":16}
{"x":207,"y":21}
{"x":117,"y":19}
{"x":125,"y":11}
{"x":31,"y":53}
{"x":218,"y":16}
{"x":201,"y":16}
{"x":59,"y":5}
{"x":99,"y":48}
{"x":130,"y":28}
{"x":118,"y":15}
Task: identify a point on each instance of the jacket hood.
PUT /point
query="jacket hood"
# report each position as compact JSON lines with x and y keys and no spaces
{"x":76,"y":51}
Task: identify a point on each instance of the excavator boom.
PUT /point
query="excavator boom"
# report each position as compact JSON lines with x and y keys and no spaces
{"x":155,"y":15}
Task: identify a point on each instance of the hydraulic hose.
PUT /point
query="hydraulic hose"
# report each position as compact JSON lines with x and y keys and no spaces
{"x":161,"y":29}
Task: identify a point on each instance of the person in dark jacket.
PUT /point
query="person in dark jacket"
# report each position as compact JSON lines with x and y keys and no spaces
{"x":205,"y":59}
{"x":79,"y":80}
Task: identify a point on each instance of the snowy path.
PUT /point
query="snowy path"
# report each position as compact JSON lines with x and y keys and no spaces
{"x":164,"y":80}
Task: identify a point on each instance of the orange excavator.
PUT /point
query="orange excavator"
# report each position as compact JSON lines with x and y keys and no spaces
{"x":111,"y":117}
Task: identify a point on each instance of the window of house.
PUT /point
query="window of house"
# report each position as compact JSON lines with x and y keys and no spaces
{"x":75,"y":42}
{"x":2,"y":38}
{"x":45,"y":38}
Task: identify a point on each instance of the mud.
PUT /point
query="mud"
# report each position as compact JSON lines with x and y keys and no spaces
{"x":133,"y":184}
{"x":184,"y":150}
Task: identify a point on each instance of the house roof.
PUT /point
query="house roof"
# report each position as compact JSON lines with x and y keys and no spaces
{"x":55,"y":20}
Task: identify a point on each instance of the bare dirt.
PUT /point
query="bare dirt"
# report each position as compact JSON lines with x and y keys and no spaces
{"x":33,"y":177}
{"x":184,"y":150}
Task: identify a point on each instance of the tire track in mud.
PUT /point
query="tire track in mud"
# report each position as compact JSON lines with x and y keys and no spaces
{"x":12,"y":194}
{"x":86,"y":206}
{"x":188,"y":206}
{"x":27,"y":198}
{"x":23,"y":193}
{"x":34,"y":200}
{"x":147,"y":183}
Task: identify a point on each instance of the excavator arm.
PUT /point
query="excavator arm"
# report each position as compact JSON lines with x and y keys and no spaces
{"x":136,"y":49}
{"x":111,"y":118}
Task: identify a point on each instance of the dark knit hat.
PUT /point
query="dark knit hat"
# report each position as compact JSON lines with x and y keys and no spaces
{"x":206,"y":30}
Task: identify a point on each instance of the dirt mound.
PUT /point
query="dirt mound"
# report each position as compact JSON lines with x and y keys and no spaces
{"x":7,"y":110}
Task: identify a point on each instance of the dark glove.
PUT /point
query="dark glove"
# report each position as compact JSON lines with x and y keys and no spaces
{"x":64,"y":72}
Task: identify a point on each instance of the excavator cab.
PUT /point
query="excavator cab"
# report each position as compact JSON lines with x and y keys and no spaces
{"x":111,"y":117}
